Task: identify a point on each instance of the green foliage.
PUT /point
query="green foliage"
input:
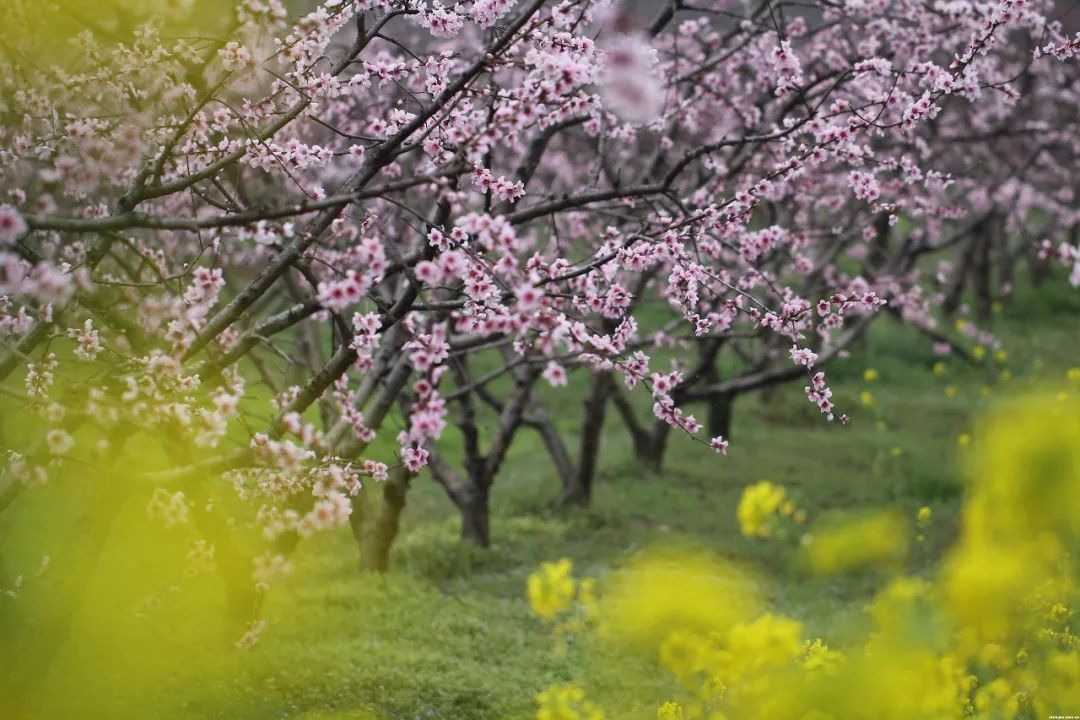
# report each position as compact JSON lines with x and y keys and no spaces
{"x":448,"y":633}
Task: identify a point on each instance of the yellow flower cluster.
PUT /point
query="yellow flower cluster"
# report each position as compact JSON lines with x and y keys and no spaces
{"x":670,"y":711}
{"x":759,"y":508}
{"x":566,"y":702}
{"x":551,"y":589}
{"x":990,"y":636}
{"x":841,"y":545}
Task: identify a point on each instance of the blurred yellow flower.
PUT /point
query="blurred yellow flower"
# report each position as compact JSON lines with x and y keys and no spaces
{"x":1001,"y":356}
{"x":665,"y":591}
{"x":566,"y":702}
{"x":870,"y":375}
{"x":769,"y":641}
{"x":866,"y":398}
{"x":818,"y":657}
{"x":979,"y":352}
{"x":551,"y":589}
{"x":758,"y":507}
{"x":988,"y":636}
{"x":950,"y":391}
{"x":670,"y":711}
{"x":840,"y":545}
{"x":939,"y":368}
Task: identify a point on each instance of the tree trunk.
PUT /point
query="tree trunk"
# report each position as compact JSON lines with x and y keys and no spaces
{"x":579,"y":490}
{"x":1005,"y":259}
{"x":880,"y":247}
{"x":719,"y":416}
{"x":981,"y":273}
{"x":358,"y":519}
{"x":476,"y":516}
{"x":553,"y":441}
{"x":26,"y":661}
{"x":382,"y":528}
{"x":658,"y":442}
{"x":642,"y":437}
{"x":242,"y":599}
{"x":954,"y":293}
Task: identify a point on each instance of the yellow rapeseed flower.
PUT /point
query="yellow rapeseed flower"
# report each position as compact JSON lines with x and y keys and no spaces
{"x":820,"y":658}
{"x":661,"y":592}
{"x":566,"y":702}
{"x":987,"y":636}
{"x":758,"y":507}
{"x":551,"y":589}
{"x":769,"y":641}
{"x":670,"y":711}
{"x":836,"y":546}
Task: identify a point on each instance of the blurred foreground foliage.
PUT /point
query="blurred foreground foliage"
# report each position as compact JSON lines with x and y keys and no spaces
{"x":989,"y":635}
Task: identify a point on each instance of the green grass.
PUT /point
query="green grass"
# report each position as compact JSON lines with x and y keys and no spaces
{"x":447,"y":633}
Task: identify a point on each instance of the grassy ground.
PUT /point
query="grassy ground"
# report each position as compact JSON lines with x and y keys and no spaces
{"x":447,"y":634}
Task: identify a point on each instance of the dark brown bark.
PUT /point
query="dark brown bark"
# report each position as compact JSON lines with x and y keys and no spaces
{"x":579,"y":491}
{"x":721,"y":408}
{"x":954,"y":292}
{"x":381,"y":529}
{"x":537,"y":418}
{"x":641,"y":437}
{"x":1004,"y":257}
{"x":980,"y":270}
{"x":658,"y":444}
{"x":476,"y":516}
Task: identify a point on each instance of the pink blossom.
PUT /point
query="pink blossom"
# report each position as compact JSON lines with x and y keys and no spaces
{"x":12,"y":225}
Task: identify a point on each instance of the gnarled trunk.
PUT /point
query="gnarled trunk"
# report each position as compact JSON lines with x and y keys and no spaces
{"x":476,"y":516}
{"x":381,"y":528}
{"x":579,"y":490}
{"x":721,"y":408}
